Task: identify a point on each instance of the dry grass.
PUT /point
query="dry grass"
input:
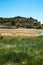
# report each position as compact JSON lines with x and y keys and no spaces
{"x":20,"y":32}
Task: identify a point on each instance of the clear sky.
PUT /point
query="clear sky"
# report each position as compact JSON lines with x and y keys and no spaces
{"x":26,"y":8}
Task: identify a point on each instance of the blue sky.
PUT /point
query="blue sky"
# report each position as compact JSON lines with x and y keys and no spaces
{"x":26,"y":8}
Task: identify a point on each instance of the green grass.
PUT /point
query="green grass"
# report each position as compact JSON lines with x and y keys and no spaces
{"x":21,"y":51}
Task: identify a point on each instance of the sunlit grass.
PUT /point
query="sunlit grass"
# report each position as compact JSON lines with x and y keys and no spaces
{"x":21,"y":51}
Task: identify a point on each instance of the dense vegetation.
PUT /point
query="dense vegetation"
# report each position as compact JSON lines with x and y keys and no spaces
{"x":22,"y":22}
{"x":21,"y":51}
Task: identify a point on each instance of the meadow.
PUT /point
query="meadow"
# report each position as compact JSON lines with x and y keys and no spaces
{"x":21,"y":50}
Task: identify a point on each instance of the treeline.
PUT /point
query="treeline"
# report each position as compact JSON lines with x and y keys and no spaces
{"x":20,"y":22}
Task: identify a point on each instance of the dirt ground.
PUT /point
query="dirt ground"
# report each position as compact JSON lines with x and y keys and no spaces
{"x":20,"y":32}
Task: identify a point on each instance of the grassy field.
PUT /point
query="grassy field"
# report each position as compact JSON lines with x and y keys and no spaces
{"x":21,"y":51}
{"x":20,"y":32}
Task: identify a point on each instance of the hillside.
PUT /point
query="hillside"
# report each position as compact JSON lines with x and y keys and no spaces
{"x":20,"y":22}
